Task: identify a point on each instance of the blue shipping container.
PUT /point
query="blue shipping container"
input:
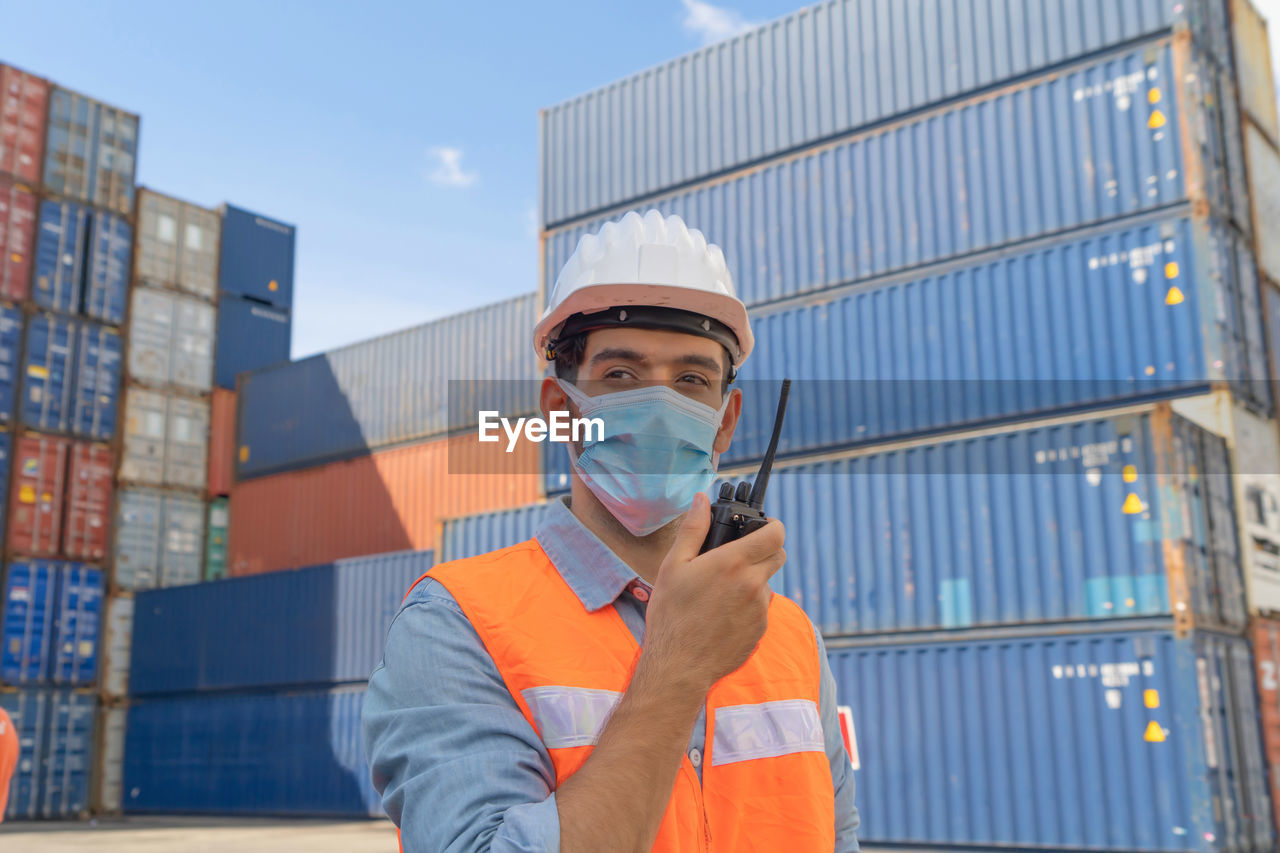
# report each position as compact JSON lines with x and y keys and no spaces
{"x":236,"y":633}
{"x":820,"y":72}
{"x":74,"y":657}
{"x":281,"y":752}
{"x":10,"y":351}
{"x":97,"y":381}
{"x":91,"y":151}
{"x":473,"y":535}
{"x":68,"y":754}
{"x":30,"y":615}
{"x":250,"y":336}
{"x":394,"y":389}
{"x":6,"y":456}
{"x":256,"y":257}
{"x":1128,"y":741}
{"x":1129,"y":133}
{"x":47,"y":372}
{"x":110,"y":248}
{"x":60,"y":256}
{"x":29,"y":711}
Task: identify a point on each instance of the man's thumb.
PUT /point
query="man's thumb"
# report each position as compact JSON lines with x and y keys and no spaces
{"x":692,"y":532}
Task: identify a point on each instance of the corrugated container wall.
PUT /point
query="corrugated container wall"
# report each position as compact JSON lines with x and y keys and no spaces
{"x":256,"y":257}
{"x":74,"y":659}
{"x":29,"y":710}
{"x":233,"y":634}
{"x":90,"y":487}
{"x":1133,"y":132}
{"x":90,"y":151}
{"x":60,"y":255}
{"x":30,"y":614}
{"x":17,"y":236}
{"x":24,"y":100}
{"x":6,"y":452}
{"x":36,"y":495}
{"x":216,"y":536}
{"x":250,"y":336}
{"x":1265,"y":636}
{"x":277,"y":753}
{"x":392,"y":500}
{"x":389,"y":390}
{"x":817,"y":73}
{"x":473,"y":535}
{"x":1126,"y":741}
{"x":171,"y":340}
{"x":10,"y":350}
{"x":69,"y":751}
{"x":159,"y":539}
{"x":165,"y":440}
{"x":110,"y":260}
{"x":108,"y":792}
{"x":222,"y":441}
{"x":1253,"y":64}
{"x":1264,"y":174}
{"x":177,"y":245}
{"x":99,"y":352}
{"x":117,"y":643}
{"x":71,"y":376}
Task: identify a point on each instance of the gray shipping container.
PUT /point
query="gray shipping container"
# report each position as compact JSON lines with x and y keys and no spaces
{"x":117,"y":642}
{"x":107,"y":796}
{"x":177,"y":245}
{"x":166,"y":440}
{"x":817,"y":73}
{"x":159,"y":538}
{"x":171,"y":338}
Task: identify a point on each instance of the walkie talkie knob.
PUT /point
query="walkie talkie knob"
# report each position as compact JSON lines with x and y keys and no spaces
{"x":726,"y":491}
{"x":744,"y":492}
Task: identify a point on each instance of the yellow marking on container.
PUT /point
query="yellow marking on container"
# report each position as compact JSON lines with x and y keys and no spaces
{"x":1153,"y":95}
{"x":1151,"y":698}
{"x":1157,"y":120}
{"x":1151,"y":370}
{"x":1154,"y":733}
{"x":244,"y":453}
{"x":273,"y":285}
{"x":1171,"y":269}
{"x":16,"y":258}
{"x":39,"y":371}
{"x":1132,"y":505}
{"x":27,"y":495}
{"x":1130,"y":473}
{"x":1129,"y":602}
{"x":1174,"y":296}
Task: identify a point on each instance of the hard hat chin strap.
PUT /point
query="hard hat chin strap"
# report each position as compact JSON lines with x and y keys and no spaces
{"x":648,"y":317}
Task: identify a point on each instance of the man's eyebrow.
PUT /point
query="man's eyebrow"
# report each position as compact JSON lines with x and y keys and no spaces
{"x":621,"y":354}
{"x":701,"y":361}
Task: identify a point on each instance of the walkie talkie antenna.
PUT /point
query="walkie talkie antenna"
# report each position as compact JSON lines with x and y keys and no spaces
{"x":762,"y":479}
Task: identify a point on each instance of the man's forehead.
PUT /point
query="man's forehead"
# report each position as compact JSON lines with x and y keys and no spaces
{"x":650,"y":345}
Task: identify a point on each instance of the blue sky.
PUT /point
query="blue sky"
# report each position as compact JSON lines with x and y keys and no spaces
{"x":401,"y":138}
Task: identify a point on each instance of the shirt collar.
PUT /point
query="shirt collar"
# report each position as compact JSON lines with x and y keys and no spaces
{"x":594,"y":573}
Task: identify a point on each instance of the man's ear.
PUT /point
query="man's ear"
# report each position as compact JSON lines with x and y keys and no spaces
{"x":551,"y":398}
{"x":729,"y":422}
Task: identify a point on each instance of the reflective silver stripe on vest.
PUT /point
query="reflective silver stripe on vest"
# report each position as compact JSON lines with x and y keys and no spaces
{"x":746,"y":732}
{"x":570,"y":716}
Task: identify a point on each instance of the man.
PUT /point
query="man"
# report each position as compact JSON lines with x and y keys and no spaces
{"x":603,"y":687}
{"x":8,"y":758}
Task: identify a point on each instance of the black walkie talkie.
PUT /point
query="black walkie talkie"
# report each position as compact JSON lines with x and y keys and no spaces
{"x":738,"y":511}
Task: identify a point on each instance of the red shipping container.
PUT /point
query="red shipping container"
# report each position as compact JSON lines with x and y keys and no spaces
{"x":17,"y":236}
{"x":1266,"y":657}
{"x":23,"y":106}
{"x":89,"y":491}
{"x":35,"y":496}
{"x":222,"y":441}
{"x":392,"y":500}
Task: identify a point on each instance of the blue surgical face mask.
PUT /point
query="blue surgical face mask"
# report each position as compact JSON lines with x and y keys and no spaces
{"x":656,"y":453}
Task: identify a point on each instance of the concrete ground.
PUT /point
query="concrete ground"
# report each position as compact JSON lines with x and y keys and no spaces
{"x":198,"y":834}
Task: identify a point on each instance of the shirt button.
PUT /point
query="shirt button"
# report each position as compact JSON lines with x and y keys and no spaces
{"x":695,"y":757}
{"x":640,"y":592}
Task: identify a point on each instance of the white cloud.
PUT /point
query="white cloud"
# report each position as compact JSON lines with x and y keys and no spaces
{"x":448,"y":167}
{"x":713,"y":23}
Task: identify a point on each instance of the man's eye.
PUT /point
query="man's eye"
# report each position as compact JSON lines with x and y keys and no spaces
{"x":618,"y":373}
{"x":694,"y":379}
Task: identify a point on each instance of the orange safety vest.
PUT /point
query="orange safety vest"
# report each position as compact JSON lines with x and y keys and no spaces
{"x":766,"y":780}
{"x":8,"y":757}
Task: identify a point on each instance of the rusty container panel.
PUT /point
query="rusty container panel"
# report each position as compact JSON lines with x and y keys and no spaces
{"x":1264,"y":179}
{"x":1265,"y":635}
{"x":222,"y":441}
{"x":39,"y":480}
{"x":393,"y":500}
{"x":23,"y":105}
{"x":88,"y":510}
{"x":1253,"y":67}
{"x":17,"y":236}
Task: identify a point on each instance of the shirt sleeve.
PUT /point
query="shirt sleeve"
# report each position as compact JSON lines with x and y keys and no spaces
{"x":457,"y":764}
{"x":841,"y":770}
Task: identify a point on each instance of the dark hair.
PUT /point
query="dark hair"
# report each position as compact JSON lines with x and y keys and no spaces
{"x":569,"y":358}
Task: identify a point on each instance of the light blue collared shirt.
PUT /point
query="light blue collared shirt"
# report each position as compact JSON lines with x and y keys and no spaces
{"x":459,"y":767}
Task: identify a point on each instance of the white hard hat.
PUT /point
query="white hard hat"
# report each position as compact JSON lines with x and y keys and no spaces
{"x":650,"y":260}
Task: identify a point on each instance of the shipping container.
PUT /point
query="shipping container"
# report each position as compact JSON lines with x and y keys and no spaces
{"x":60,"y":255}
{"x":110,"y":253}
{"x":29,"y":710}
{"x":36,"y":495}
{"x":282,"y":752}
{"x":222,"y":441}
{"x":187,"y":444}
{"x":1133,"y":132}
{"x":69,"y":751}
{"x":1253,"y":66}
{"x":251,"y":335}
{"x":30,"y":616}
{"x":313,"y":626}
{"x":165,"y":440}
{"x":48,"y":369}
{"x":1265,"y":635}
{"x":91,"y":151}
{"x":159,"y":539}
{"x":10,"y":352}
{"x":816,"y":74}
{"x":17,"y":233}
{"x":171,"y":339}
{"x":401,"y":387}
{"x":6,"y":451}
{"x":1139,"y":740}
{"x":24,"y":100}
{"x":117,"y":641}
{"x":473,"y":535}
{"x":1264,"y":173}
{"x":256,"y":258}
{"x":108,"y":795}
{"x":96,"y":392}
{"x":391,"y":500}
{"x":177,"y":245}
{"x":87,"y":517}
{"x":215,"y":549}
{"x":74,"y":657}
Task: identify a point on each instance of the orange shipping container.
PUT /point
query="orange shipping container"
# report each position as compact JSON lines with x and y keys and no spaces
{"x":1266,"y":657}
{"x":222,"y":441}
{"x":392,"y":500}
